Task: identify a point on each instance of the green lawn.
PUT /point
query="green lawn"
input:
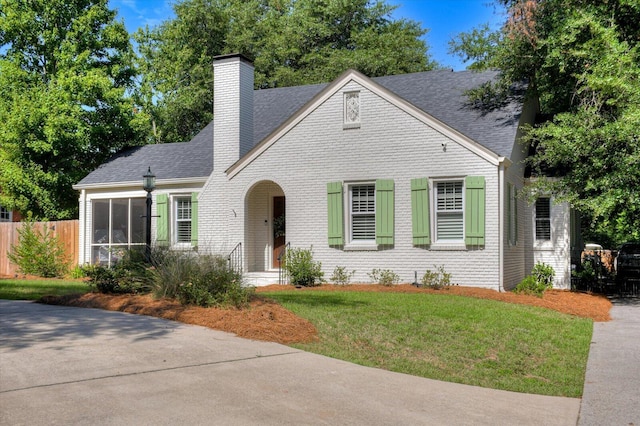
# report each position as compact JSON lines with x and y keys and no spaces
{"x":35,"y":289}
{"x":452,"y":338}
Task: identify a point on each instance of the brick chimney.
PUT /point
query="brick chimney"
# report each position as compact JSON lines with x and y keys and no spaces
{"x":232,"y":109}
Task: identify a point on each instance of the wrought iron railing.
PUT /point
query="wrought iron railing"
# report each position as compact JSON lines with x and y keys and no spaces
{"x":234,"y":259}
{"x":283,"y":276}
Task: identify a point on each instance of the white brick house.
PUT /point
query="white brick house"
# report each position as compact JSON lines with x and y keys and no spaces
{"x":396,"y":172}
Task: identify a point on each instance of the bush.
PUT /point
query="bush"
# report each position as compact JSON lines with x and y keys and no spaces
{"x":540,"y":280}
{"x":39,"y":252}
{"x":544,"y":274}
{"x":130,"y":275}
{"x":384,"y":277}
{"x":437,"y":279}
{"x":341,"y":276}
{"x":203,"y":280}
{"x":301,"y":268}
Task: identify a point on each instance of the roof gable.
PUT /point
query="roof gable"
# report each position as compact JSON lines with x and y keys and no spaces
{"x":437,"y":98}
{"x":396,"y":89}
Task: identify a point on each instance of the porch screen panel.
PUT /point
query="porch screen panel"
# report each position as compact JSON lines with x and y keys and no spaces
{"x":138,"y":224}
{"x":120,"y":221}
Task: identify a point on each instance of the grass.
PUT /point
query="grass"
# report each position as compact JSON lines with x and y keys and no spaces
{"x":451,"y":338}
{"x":34,"y":289}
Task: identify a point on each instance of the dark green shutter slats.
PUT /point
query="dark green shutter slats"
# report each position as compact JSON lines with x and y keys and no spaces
{"x":194,"y":219}
{"x":384,"y":211}
{"x":420,"y":211}
{"x":474,"y":210}
{"x":162,"y":224}
{"x":509,"y":215}
{"x":335,"y":213}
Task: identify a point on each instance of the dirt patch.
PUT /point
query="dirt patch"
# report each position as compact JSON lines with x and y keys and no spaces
{"x":268,"y":321}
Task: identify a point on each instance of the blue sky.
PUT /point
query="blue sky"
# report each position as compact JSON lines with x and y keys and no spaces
{"x":443,"y":18}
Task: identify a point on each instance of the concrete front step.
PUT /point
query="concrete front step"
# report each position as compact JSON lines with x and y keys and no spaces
{"x":260,"y":279}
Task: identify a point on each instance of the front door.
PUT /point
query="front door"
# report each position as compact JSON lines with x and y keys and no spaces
{"x":278,"y":229}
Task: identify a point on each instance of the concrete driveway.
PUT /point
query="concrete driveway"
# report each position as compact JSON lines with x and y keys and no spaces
{"x":612,"y":383}
{"x":61,"y":365}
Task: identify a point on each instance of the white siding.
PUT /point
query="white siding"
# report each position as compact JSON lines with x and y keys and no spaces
{"x":557,"y":251}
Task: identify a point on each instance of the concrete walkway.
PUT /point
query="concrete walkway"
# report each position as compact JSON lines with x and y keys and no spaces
{"x":62,"y":365}
{"x":612,"y":384}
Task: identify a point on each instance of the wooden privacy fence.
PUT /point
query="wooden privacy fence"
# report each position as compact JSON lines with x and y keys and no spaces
{"x":65,"y":230}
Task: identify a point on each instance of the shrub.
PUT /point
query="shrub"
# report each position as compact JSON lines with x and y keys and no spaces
{"x":301,"y":267}
{"x":341,"y":276}
{"x":436,"y":280}
{"x":540,"y":280}
{"x":384,"y":277}
{"x":129,"y":275}
{"x":203,"y":280}
{"x":544,"y":274}
{"x":39,"y":253}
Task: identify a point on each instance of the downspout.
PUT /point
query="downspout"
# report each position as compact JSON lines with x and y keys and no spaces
{"x":82,"y":227}
{"x":501,"y":187}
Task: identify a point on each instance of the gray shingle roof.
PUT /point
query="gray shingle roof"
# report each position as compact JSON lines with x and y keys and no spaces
{"x":438,"y":93}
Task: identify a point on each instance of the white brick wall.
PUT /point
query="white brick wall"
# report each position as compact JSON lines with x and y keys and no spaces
{"x":389,"y":145}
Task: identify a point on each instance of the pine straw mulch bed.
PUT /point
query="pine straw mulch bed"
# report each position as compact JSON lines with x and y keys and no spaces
{"x":266,"y":320}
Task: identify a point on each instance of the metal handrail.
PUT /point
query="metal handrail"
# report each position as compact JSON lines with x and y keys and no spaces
{"x":234,"y":259}
{"x":282,"y":274}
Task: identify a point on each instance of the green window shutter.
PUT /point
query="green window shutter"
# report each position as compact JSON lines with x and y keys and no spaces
{"x":509,"y":215}
{"x":194,"y":219}
{"x":384,"y":212}
{"x":335,"y":213}
{"x":420,"y":211}
{"x":474,"y":210}
{"x":162,"y":225}
{"x":515,"y":209}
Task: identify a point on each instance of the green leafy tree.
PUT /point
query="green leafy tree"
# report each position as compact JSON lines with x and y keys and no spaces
{"x":292,"y":42}
{"x":65,"y":67}
{"x":582,"y":61}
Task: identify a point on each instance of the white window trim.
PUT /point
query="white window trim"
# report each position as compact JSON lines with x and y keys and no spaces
{"x":346,"y":123}
{"x":350,"y":244}
{"x":445,"y":244}
{"x":173,"y":220}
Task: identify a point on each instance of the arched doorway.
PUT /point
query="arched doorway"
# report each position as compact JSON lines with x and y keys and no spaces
{"x":265,"y":226}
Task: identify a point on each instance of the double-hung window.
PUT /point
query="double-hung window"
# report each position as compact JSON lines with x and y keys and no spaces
{"x":5,"y":215}
{"x":362,"y":212}
{"x":177,"y":219}
{"x":449,"y":211}
{"x":183,"y":220}
{"x":543,"y":219}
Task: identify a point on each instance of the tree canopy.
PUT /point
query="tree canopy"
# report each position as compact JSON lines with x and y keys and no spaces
{"x":292,"y":42}
{"x":582,"y":61}
{"x":65,"y":66}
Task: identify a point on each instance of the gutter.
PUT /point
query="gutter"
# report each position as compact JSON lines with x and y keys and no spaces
{"x":502,"y":166}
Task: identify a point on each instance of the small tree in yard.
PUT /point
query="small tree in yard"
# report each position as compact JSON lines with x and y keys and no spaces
{"x":39,"y":253}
